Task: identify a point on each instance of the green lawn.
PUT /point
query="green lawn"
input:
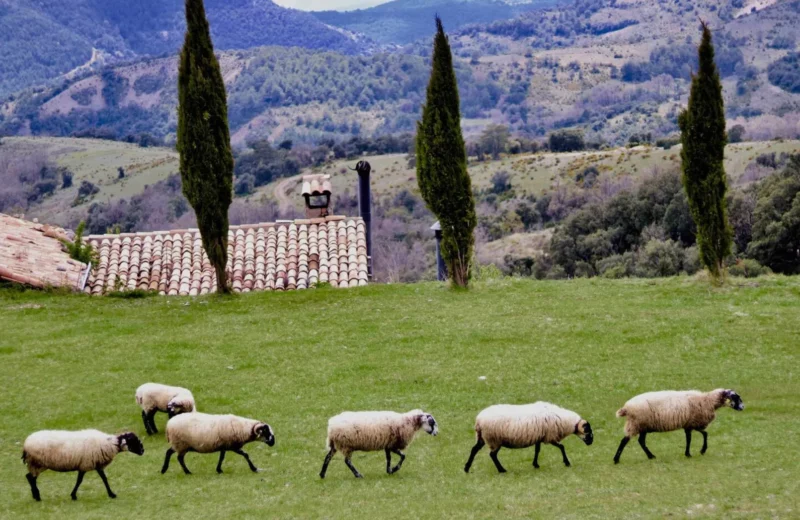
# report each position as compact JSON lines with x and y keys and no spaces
{"x":295,"y":359}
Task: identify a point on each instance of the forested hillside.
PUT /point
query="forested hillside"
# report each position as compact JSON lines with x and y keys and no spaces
{"x":43,"y":39}
{"x":616,"y":71}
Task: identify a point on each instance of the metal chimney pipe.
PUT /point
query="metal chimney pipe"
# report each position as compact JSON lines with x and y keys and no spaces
{"x":365,"y":206}
{"x":441,"y":268}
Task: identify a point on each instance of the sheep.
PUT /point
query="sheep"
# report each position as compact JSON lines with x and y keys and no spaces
{"x":206,"y":433}
{"x":373,"y":431}
{"x":155,"y":397}
{"x":81,"y":451}
{"x":523,"y":426}
{"x":672,"y":410}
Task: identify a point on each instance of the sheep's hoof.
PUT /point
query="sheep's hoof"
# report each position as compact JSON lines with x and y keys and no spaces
{"x":536,"y":466}
{"x":689,"y":455}
{"x":322,"y":475}
{"x":651,"y":457}
{"x":219,"y":472}
{"x":359,"y":476}
{"x":616,"y":461}
{"x":112,"y":495}
{"x":74,"y":497}
{"x":567,"y":464}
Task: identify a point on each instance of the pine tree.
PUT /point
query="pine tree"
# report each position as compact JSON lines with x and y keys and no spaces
{"x":442,"y":163}
{"x":703,"y":136}
{"x":204,"y":140}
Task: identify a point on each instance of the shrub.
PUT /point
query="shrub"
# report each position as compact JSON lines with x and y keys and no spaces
{"x":584,"y":270}
{"x":691,"y":260}
{"x":785,"y":73}
{"x":748,"y":268}
{"x":556,"y":273}
{"x":660,"y":258}
{"x":77,"y":249}
{"x":566,"y":141}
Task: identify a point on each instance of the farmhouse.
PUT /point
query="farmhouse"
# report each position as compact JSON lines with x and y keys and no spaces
{"x":282,"y":255}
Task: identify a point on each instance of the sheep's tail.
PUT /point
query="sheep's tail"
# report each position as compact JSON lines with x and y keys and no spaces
{"x":622,"y":412}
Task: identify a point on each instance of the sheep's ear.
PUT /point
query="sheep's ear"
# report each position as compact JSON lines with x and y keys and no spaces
{"x":123,"y":442}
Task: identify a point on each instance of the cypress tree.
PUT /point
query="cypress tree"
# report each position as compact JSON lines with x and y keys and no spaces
{"x":204,"y":140}
{"x":442,"y":163}
{"x":703,"y":137}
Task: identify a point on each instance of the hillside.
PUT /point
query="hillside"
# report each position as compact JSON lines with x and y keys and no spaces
{"x":613,"y":70}
{"x":295,"y":359}
{"x":45,"y":39}
{"x":405,"y":21}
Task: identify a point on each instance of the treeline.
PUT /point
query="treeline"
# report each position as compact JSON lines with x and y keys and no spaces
{"x":679,"y":60}
{"x":647,"y":230}
{"x":785,"y":73}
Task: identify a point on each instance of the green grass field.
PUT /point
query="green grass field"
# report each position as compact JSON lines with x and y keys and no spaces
{"x":295,"y":359}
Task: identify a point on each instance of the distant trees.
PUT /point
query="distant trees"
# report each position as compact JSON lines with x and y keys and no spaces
{"x":736,"y":134}
{"x":204,"y":139}
{"x":494,"y":140}
{"x":785,"y":73}
{"x":703,"y":136}
{"x":566,"y":141}
{"x":776,"y":221}
{"x":442,"y":163}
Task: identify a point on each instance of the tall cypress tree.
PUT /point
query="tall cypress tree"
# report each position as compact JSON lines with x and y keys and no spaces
{"x":204,"y":141}
{"x":442,"y":163}
{"x":703,"y":136}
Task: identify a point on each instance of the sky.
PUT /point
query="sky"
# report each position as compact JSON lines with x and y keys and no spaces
{"x":328,"y":5}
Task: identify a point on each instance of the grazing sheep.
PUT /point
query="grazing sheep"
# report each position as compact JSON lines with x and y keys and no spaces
{"x":673,"y":410}
{"x":206,"y":433}
{"x":155,"y":397}
{"x":81,"y":451}
{"x":374,"y":431}
{"x":523,"y":426}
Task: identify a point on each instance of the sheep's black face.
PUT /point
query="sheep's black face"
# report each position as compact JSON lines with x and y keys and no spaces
{"x":174,"y":409}
{"x":130,"y":442}
{"x":429,"y":424}
{"x":584,"y":431}
{"x":264,"y":433}
{"x":734,"y":400}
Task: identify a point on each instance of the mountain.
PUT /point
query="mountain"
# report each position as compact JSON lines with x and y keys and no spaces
{"x":617,"y":71}
{"x":405,"y":21}
{"x":43,"y":39}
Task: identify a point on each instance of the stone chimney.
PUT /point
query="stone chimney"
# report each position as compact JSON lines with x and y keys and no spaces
{"x":317,"y":192}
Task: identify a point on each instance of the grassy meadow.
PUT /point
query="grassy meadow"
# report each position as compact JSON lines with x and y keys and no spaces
{"x":295,"y":359}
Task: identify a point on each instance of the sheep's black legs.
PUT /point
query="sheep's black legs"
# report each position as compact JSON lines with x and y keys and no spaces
{"x":352,"y":468}
{"x":152,"y":418}
{"x":253,"y":468}
{"x":74,"y":493}
{"x":105,"y":482}
{"x":34,"y":487}
{"x":221,"y":458}
{"x":536,"y":455}
{"x":388,"y":461}
{"x":164,"y":468}
{"x":183,"y":464}
{"x":402,"y":458}
{"x":688,"y":441}
{"x":328,"y":458}
{"x":563,"y":452}
{"x":705,"y":442}
{"x":475,"y":449}
{"x":642,"y":443}
{"x":622,"y":444}
{"x":146,"y":422}
{"x":493,"y":455}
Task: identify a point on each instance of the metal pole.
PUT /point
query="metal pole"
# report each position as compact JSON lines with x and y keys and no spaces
{"x":441,"y":269}
{"x":365,"y":206}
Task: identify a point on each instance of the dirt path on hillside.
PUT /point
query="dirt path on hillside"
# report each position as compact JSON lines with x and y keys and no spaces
{"x":285,"y":203}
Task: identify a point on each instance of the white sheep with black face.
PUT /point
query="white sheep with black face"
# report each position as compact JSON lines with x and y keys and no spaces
{"x":207,"y":433}
{"x":391,"y":432}
{"x":81,"y":451}
{"x":523,"y":426}
{"x":672,"y":410}
{"x":155,"y":397}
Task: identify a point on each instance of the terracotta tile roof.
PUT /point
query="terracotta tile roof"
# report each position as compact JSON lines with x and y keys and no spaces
{"x":284,"y":255}
{"x":32,"y":254}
